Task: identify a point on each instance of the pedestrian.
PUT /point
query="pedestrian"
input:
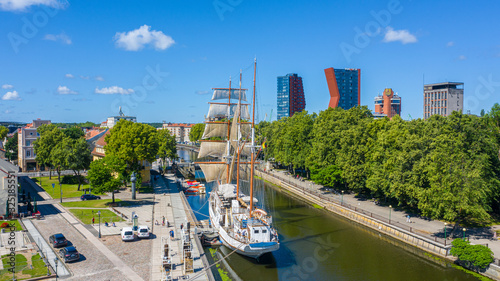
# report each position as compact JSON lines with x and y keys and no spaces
{"x":163,"y":221}
{"x":156,"y":222}
{"x":93,"y":220}
{"x":171,"y":234}
{"x":182,"y":226}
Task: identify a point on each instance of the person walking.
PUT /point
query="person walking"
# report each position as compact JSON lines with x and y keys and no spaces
{"x":163,"y":221}
{"x":171,"y":234}
{"x":182,"y":226}
{"x":93,"y":220}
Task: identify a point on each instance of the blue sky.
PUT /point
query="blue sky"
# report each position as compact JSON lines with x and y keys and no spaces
{"x":80,"y":60}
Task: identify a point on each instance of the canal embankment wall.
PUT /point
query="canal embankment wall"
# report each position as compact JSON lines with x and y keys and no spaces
{"x":407,"y":236}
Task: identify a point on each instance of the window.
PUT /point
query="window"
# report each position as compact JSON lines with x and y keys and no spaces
{"x":27,"y":143}
{"x":264,"y":230}
{"x":31,"y":133}
{"x":28,"y":153}
{"x":256,"y":231}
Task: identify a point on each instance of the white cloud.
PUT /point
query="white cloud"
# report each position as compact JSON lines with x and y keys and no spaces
{"x":450,"y":44}
{"x":113,"y":90}
{"x":63,"y":90}
{"x":63,"y":38}
{"x":69,"y":75}
{"x":11,"y":96}
{"x":85,"y":77}
{"x":7,"y":86}
{"x":202,"y":92}
{"x":22,"y":5}
{"x":8,"y":111}
{"x":99,"y":78}
{"x":462,"y":57}
{"x":404,"y":36}
{"x":135,"y":40}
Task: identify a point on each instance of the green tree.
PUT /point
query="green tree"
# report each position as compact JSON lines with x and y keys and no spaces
{"x":482,"y":113}
{"x":74,"y":132}
{"x":196,"y":132}
{"x":132,"y":143}
{"x":78,"y":157}
{"x":167,"y":147}
{"x":3,"y":132}
{"x":101,"y":178}
{"x":11,"y":148}
{"x":474,"y":256}
{"x":50,"y":137}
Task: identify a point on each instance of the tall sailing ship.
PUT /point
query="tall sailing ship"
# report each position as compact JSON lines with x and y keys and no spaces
{"x":229,"y":136}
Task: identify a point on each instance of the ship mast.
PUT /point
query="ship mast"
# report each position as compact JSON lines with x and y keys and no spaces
{"x":252,"y":161}
{"x":238,"y":143}
{"x":228,"y":180}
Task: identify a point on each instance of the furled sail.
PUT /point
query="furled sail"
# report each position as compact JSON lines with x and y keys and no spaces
{"x":221,"y":111}
{"x":214,"y":172}
{"x":220,"y":130}
{"x":234,"y":137}
{"x":215,"y":130}
{"x":220,"y":94}
{"x":214,"y":149}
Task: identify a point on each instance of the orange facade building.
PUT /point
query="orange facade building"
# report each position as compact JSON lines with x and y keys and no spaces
{"x":388,"y":104}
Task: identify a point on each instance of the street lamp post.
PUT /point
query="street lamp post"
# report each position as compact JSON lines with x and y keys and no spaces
{"x":55,"y":261}
{"x":99,"y":213}
{"x":390,"y":209}
{"x":60,"y":189}
{"x":464,"y":232}
{"x":342,"y":200}
{"x":133,"y":179}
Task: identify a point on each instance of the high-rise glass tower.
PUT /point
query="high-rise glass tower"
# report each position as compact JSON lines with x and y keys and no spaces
{"x":290,"y":95}
{"x":344,"y":86}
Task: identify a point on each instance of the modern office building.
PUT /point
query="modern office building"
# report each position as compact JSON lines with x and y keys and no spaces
{"x":26,"y":152}
{"x":344,"y":86}
{"x":443,"y":98}
{"x":388,"y":104}
{"x":290,"y":95}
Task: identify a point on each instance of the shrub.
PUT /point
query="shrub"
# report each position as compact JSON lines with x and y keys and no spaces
{"x":478,"y":256}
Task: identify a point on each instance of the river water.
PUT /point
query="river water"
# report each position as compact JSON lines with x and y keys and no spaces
{"x":317,"y":245}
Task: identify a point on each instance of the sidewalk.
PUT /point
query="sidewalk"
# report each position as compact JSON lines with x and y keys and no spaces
{"x":423,"y":226}
{"x":169,"y":204}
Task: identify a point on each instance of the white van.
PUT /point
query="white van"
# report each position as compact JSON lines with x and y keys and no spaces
{"x":127,"y":234}
{"x":143,"y":231}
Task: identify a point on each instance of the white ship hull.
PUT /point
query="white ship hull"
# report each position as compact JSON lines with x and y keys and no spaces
{"x":249,"y":249}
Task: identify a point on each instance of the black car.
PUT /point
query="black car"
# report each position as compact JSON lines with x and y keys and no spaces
{"x":89,"y":197}
{"x":69,"y":254}
{"x":58,"y":240}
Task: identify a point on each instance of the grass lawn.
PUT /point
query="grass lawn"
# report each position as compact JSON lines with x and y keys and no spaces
{"x":69,"y":190}
{"x":146,"y":189}
{"x":23,"y":269}
{"x":16,"y":222}
{"x":86,"y":215}
{"x":95,"y":203}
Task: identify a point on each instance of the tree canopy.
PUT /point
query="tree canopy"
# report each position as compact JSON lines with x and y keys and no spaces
{"x":3,"y":132}
{"x":11,"y":148}
{"x":167,"y":144}
{"x":101,"y":177}
{"x":132,"y":142}
{"x":444,"y":167}
{"x":196,"y":132}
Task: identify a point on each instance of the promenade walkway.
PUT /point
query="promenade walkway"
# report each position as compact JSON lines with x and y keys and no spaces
{"x":432,"y":229}
{"x":168,"y":204}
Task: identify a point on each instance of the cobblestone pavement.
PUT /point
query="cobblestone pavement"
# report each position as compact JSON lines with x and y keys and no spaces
{"x":136,"y":254}
{"x":93,"y":265}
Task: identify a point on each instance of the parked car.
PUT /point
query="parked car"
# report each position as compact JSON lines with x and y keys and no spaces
{"x":58,"y":240}
{"x":143,"y":231}
{"x":127,"y":234}
{"x":69,"y":254}
{"x":90,"y":197}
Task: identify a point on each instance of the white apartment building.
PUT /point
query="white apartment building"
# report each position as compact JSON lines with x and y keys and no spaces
{"x":179,"y":130}
{"x":111,"y":122}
